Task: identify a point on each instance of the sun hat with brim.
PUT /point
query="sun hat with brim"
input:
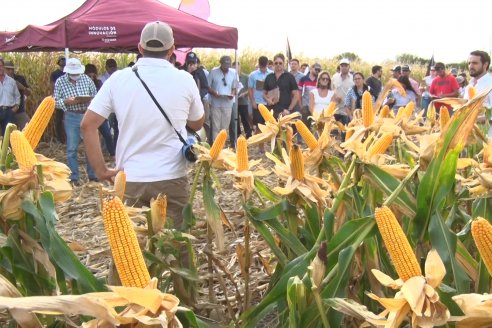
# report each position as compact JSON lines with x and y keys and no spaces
{"x":74,"y":66}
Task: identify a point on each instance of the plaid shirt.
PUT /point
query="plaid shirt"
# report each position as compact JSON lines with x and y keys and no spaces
{"x":64,"y":89}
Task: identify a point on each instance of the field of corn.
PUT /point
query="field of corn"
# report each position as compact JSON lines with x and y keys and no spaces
{"x":390,"y":228}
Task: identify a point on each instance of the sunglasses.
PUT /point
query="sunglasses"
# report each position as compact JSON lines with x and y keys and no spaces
{"x":278,"y":63}
{"x":224,"y":81}
{"x":325,"y":79}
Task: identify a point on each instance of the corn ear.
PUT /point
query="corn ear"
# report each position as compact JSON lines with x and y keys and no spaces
{"x":218,"y":144}
{"x":308,"y":137}
{"x":35,"y":128}
{"x":399,"y":249}
{"x":22,"y":150}
{"x":266,"y":114}
{"x":482,"y":235}
{"x":296,"y":163}
{"x":330,"y":110}
{"x":409,"y":109}
{"x":431,"y":112}
{"x":472,"y":92}
{"x":289,"y":137}
{"x":400,"y":114}
{"x":123,"y":242}
{"x":381,"y":145}
{"x":158,"y":212}
{"x":120,"y":184}
{"x":242,"y":154}
{"x":367,"y":110}
{"x":443,"y":117}
{"x":384,"y":111}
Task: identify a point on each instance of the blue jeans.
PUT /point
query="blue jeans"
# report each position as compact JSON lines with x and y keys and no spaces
{"x":6,"y":116}
{"x":108,"y":138}
{"x":72,"y":130}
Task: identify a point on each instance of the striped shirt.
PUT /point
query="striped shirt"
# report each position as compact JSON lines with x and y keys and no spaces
{"x":64,"y":89}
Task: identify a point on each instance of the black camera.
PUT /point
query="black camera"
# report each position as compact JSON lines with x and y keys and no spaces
{"x":188,"y":151}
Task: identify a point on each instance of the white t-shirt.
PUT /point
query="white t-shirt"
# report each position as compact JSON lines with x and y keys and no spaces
{"x":320,"y":103}
{"x":148,"y":149}
{"x":482,"y":84}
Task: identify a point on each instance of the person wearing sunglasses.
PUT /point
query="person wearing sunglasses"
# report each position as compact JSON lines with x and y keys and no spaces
{"x":280,"y":90}
{"x":222,"y":86}
{"x":320,"y":97}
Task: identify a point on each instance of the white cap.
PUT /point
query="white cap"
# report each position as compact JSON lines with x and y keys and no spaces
{"x":345,"y":61}
{"x":74,"y":66}
{"x":157,"y":31}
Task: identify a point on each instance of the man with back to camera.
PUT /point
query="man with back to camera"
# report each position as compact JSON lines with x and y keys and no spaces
{"x":150,"y":155}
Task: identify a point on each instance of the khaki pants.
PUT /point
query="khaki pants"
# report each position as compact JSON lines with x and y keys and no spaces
{"x":220,"y":118}
{"x":138,"y":194}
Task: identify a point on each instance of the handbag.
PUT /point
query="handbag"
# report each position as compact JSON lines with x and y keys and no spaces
{"x":187,"y":149}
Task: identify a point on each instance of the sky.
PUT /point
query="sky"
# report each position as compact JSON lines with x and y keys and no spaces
{"x":376,"y":31}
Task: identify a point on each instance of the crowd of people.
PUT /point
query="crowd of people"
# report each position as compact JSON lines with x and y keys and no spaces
{"x":116,"y":101}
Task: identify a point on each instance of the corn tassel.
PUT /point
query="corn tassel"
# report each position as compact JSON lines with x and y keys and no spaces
{"x":22,"y":150}
{"x":482,"y":235}
{"x":409,"y":109}
{"x":289,"y":136}
{"x":367,"y":110}
{"x":384,"y":111}
{"x":158,"y":212}
{"x":242,"y":154}
{"x":381,"y":145}
{"x":308,"y":137}
{"x":120,"y":184}
{"x":296,"y":163}
{"x":35,"y":128}
{"x":443,"y":117}
{"x":218,"y":144}
{"x":472,"y":92}
{"x":123,"y":242}
{"x":397,"y":244}
{"x":266,"y":114}
{"x":330,"y":110}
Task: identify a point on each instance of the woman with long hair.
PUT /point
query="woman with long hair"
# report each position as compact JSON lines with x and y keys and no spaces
{"x":354,"y":96}
{"x":397,"y":100}
{"x":320,"y":97}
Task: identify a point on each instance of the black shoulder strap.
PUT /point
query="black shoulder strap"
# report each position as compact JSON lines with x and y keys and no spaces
{"x":135,"y":70}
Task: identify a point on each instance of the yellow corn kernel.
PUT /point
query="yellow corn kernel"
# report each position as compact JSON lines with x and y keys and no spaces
{"x":266,"y":114}
{"x":443,"y":117}
{"x":218,"y":144}
{"x":409,"y":109}
{"x":289,"y":136}
{"x":35,"y":128}
{"x":472,"y":92}
{"x":22,"y":150}
{"x":381,"y":145}
{"x":296,"y":163}
{"x":367,"y":110}
{"x":384,"y":111}
{"x":158,"y":212}
{"x":330,"y":110}
{"x":308,"y":137}
{"x":397,"y":244}
{"x":349,"y":133}
{"x":127,"y":256}
{"x":482,"y":235}
{"x":120,"y":184}
{"x":242,"y":154}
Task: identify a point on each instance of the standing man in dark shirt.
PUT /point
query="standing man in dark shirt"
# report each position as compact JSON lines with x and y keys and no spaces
{"x":21,"y":117}
{"x":192,"y":65}
{"x":283,"y":83}
{"x":59,"y":128}
{"x":374,"y":81}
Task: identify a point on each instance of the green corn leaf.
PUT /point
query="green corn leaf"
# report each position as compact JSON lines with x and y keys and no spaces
{"x":444,"y":241}
{"x":380,"y":179}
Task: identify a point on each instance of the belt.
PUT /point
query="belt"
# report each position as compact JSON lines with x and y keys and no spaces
{"x":5,"y":107}
{"x":76,"y":111}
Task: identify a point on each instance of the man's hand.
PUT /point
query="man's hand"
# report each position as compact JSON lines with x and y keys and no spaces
{"x":15,"y":108}
{"x":70,"y":101}
{"x":106,"y":174}
{"x":285,"y":112}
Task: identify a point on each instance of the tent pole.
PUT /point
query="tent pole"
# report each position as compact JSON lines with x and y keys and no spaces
{"x":66,"y":54}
